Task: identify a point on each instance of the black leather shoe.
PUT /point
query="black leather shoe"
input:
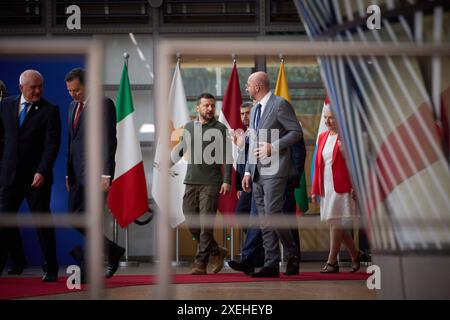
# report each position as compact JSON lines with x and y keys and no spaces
{"x":113,"y":261}
{"x":50,"y":277}
{"x":241,"y":266}
{"x":292,"y":267}
{"x":267,"y":272}
{"x":77,"y":254}
{"x":16,"y":270}
{"x":83,"y":274}
{"x":2,"y":264}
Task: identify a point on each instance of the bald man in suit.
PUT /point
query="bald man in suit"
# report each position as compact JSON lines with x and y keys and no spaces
{"x":268,"y":169}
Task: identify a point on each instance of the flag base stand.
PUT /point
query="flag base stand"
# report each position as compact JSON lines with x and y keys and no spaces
{"x":127,"y":262}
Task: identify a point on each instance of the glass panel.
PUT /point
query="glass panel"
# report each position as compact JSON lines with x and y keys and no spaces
{"x":107,"y":12}
{"x":20,"y":12}
{"x":212,"y":78}
{"x":180,"y":12}
{"x":283,"y":11}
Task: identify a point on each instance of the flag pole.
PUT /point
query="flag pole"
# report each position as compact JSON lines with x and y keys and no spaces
{"x":127,"y":262}
{"x":233,"y":55}
{"x":282,"y":253}
{"x":177,"y":230}
{"x":115,"y":232}
{"x":126,"y":55}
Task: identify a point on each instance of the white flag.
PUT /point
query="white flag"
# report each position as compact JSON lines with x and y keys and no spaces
{"x":179,"y":116}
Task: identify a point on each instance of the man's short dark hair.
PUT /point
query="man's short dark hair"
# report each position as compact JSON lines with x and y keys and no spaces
{"x":246,"y":104}
{"x":74,"y":74}
{"x":204,"y":95}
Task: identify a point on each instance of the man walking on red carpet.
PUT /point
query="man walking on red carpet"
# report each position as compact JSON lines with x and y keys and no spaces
{"x":76,"y":161}
{"x":204,"y":180}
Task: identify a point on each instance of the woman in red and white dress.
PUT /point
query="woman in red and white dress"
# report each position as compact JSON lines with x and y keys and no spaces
{"x":337,"y":205}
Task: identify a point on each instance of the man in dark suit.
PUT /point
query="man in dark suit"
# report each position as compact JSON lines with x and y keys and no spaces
{"x":76,"y":160}
{"x":268,"y":169}
{"x":17,"y":254}
{"x":252,"y":254}
{"x":31,"y":138}
{"x":243,"y":205}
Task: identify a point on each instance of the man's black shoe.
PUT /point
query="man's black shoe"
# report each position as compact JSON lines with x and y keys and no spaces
{"x":77,"y":254}
{"x":267,"y":272}
{"x":292,"y":267}
{"x":50,"y":277}
{"x":16,"y":270}
{"x":241,"y":266}
{"x":113,"y":261}
{"x":2,"y":263}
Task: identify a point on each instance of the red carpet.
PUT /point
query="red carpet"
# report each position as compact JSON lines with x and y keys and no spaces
{"x":13,"y":288}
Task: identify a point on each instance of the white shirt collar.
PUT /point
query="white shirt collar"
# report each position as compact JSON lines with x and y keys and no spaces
{"x":84,"y":101}
{"x":263,"y":102}
{"x":22,"y":100}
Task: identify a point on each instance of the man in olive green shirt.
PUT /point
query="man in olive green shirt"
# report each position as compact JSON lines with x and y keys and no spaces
{"x":207,"y":146}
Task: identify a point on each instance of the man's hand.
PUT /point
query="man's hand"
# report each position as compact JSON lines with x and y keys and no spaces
{"x":233,"y":136}
{"x":353,"y":194}
{"x":238,"y":138}
{"x":38,"y":180}
{"x":247,"y":183}
{"x":264,"y":150}
{"x":238,"y":194}
{"x":225,"y":188}
{"x":105,"y":184}
{"x":67,"y":184}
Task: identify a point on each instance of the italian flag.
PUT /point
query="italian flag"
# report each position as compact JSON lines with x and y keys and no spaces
{"x":127,"y":198}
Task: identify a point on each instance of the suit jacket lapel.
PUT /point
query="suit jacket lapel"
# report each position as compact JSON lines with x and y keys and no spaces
{"x":72,"y":109}
{"x":252,"y":118}
{"x":335,"y":149}
{"x":267,"y":110}
{"x":14,"y":112}
{"x":320,"y":147}
{"x":33,"y":110}
{"x":72,"y":118}
{"x":71,"y":113}
{"x":80,"y":121}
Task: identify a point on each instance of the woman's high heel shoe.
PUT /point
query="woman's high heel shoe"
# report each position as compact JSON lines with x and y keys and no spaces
{"x":330,"y":268}
{"x":357,"y":264}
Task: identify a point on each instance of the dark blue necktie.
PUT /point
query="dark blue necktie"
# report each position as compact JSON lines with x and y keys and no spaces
{"x":23,"y":113}
{"x":258,"y":115}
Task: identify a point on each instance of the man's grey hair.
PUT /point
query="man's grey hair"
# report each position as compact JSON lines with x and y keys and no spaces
{"x":29,"y":72}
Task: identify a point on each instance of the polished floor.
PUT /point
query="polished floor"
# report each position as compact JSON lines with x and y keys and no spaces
{"x":272,"y":290}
